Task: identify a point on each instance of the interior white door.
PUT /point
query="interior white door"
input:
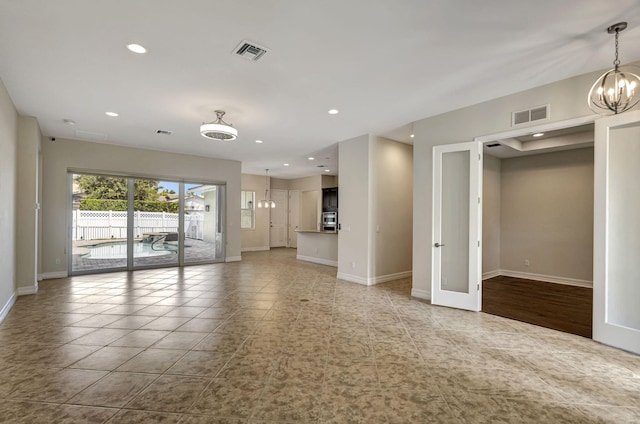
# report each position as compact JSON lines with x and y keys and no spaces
{"x":616,"y":280}
{"x":294,"y":217}
{"x":278,"y":218}
{"x":456,"y":267}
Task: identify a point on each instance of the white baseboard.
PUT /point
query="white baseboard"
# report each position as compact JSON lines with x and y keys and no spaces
{"x":7,"y":307}
{"x":255,"y":249}
{"x":541,"y":277}
{"x":52,"y":275}
{"x":233,"y":258}
{"x":352,"y":278}
{"x":317,"y":260}
{"x":31,"y":289}
{"x":491,"y":274}
{"x":374,"y":280}
{"x":389,"y":277}
{"x":421,"y":294}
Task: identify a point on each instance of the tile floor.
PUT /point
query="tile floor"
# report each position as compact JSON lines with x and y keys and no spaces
{"x":274,"y":340}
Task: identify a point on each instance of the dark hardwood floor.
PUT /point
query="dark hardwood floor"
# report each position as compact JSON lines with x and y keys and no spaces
{"x":558,"y":306}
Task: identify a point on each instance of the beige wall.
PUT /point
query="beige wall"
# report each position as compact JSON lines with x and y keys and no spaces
{"x":353,"y":200}
{"x":567,"y":100}
{"x":84,"y":156}
{"x":491,"y":214}
{"x":258,"y":238}
{"x":29,"y":144}
{"x":375,"y":240}
{"x":391,"y":190}
{"x":8,"y":194}
{"x":547,"y":214}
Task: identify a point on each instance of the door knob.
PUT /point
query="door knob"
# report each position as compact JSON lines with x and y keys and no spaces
{"x":439,"y":245}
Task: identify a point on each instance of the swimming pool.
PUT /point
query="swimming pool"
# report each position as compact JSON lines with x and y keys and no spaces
{"x":118,"y":250}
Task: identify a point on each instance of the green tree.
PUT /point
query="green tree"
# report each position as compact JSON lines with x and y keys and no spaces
{"x":110,"y":193}
{"x":114,"y":188}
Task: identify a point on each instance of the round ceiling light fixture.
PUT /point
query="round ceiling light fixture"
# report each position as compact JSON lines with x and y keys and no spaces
{"x":333,"y":111}
{"x":218,"y":129}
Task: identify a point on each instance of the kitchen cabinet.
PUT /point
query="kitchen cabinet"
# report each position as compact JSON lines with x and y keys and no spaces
{"x":330,"y":199}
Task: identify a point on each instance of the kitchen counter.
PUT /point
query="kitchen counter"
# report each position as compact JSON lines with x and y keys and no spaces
{"x":317,"y":246}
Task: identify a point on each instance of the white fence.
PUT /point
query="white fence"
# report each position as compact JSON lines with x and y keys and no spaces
{"x":92,"y":225}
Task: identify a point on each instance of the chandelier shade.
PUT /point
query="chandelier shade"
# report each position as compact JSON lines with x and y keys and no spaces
{"x":218,"y":129}
{"x":616,"y":90}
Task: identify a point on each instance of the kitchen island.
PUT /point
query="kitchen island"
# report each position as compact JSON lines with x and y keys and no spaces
{"x":320,"y":247}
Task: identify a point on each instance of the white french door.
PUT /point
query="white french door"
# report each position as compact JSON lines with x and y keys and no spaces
{"x":616,"y":282}
{"x":456,"y":267}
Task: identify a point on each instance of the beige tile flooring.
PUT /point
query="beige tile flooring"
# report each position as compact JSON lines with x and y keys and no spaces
{"x":274,"y":340}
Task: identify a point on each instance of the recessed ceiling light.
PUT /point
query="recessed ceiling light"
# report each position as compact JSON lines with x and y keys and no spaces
{"x":69,"y":121}
{"x":136,"y":48}
{"x":111,"y":114}
{"x":311,"y":158}
{"x":327,"y":170}
{"x":412,"y":135}
{"x":333,"y":111}
{"x":538,"y":134}
{"x":285,"y":164}
{"x":259,"y":141}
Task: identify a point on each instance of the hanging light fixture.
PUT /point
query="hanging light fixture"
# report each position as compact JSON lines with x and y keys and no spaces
{"x":615,"y":91}
{"x":218,"y":129}
{"x":266,"y":203}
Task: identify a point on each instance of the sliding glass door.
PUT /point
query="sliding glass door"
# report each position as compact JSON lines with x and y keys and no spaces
{"x":203,"y":223}
{"x":155,"y":223}
{"x":126,"y":223}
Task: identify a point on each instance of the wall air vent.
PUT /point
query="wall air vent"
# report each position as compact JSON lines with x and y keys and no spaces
{"x":494,"y":145}
{"x":164,"y":132}
{"x":250,"y":50}
{"x":538,"y":113}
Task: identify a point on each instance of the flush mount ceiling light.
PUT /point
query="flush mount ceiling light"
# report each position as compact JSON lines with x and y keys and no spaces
{"x":614,"y":92}
{"x":259,"y":141}
{"x":112,"y":114}
{"x":218,"y":129}
{"x":333,"y":111}
{"x":538,"y":134}
{"x":264,"y":203}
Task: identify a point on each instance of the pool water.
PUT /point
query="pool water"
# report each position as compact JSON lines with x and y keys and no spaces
{"x":118,"y":250}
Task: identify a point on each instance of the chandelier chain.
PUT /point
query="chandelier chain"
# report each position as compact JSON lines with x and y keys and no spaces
{"x":616,"y":62}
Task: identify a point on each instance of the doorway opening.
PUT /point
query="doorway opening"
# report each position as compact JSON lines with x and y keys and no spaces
{"x":538,"y":228}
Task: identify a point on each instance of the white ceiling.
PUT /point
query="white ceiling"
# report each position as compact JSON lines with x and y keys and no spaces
{"x":382,"y":63}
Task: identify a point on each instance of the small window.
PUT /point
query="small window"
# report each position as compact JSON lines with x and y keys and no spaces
{"x":247,"y":216}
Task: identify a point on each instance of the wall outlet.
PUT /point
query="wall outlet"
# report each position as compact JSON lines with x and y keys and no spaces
{"x":526,"y":262}
{"x":57,"y":261}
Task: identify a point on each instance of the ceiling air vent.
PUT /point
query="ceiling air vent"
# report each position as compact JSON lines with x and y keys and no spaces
{"x":538,"y":113}
{"x":250,"y":50}
{"x":164,"y":132}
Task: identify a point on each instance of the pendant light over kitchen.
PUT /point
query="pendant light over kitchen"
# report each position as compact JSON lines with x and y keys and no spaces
{"x":266,"y":203}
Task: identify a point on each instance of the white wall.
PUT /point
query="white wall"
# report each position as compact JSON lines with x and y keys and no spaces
{"x":8,"y":194}
{"x":491,"y":214}
{"x":29,"y":144}
{"x":567,"y":100}
{"x":258,"y":238}
{"x":84,"y":156}
{"x":547,"y":214}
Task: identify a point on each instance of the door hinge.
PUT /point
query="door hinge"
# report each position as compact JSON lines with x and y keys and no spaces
{"x":478,"y":287}
{"x":478,"y":243}
{"x":478,"y":200}
{"x":479,"y":156}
